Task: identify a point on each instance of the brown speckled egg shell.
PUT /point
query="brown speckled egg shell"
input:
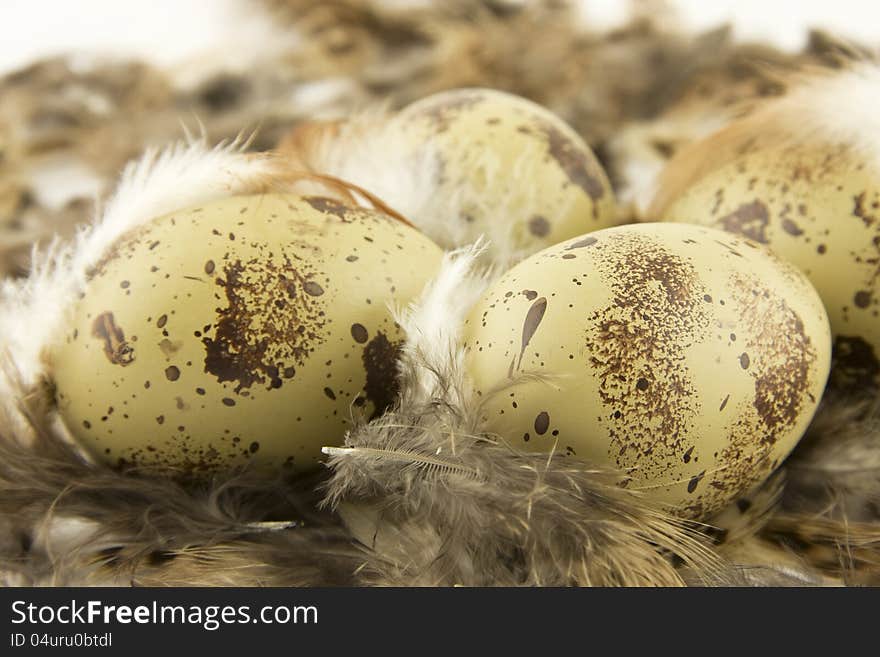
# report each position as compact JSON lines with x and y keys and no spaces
{"x":817,"y":206}
{"x":247,"y":331}
{"x":516,"y":162}
{"x":688,"y":359}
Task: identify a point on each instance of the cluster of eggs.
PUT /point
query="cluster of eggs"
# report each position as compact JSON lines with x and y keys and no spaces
{"x":255,"y":329}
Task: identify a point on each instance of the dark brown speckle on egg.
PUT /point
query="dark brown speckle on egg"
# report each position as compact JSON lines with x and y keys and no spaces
{"x":359,"y":333}
{"x":654,"y":311}
{"x":542,"y":423}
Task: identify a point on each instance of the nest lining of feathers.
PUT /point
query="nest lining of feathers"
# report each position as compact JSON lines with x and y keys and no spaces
{"x":419,"y":496}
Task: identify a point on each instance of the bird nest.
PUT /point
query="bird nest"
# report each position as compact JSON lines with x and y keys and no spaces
{"x":420,"y":495}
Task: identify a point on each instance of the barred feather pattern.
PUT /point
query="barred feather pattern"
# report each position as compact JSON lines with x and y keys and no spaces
{"x":739,"y":534}
{"x":830,"y":510}
{"x":836,"y":468}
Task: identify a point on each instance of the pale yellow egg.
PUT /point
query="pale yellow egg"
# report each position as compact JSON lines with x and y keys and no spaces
{"x":687,"y":359}
{"x":513,"y":170}
{"x":252,"y":330}
{"x":818,"y":206}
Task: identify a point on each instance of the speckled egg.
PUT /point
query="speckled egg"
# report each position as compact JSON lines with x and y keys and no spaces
{"x":817,"y":206}
{"x":688,"y":359}
{"x":505,"y":159}
{"x":250,"y":330}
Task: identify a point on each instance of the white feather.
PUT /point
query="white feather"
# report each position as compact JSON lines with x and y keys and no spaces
{"x":838,"y":106}
{"x":433,"y":323}
{"x":379,"y":152}
{"x":33,"y":310}
{"x":373,"y":151}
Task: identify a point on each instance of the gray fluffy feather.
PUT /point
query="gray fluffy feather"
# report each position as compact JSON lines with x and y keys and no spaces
{"x":444,"y":503}
{"x":69,"y":522}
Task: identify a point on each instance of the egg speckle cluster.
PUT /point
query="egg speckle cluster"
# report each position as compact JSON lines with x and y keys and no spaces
{"x":250,"y":330}
{"x":817,"y":206}
{"x":689,"y":359}
{"x":508,"y":160}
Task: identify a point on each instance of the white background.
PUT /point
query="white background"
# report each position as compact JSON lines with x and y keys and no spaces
{"x":171,"y":33}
